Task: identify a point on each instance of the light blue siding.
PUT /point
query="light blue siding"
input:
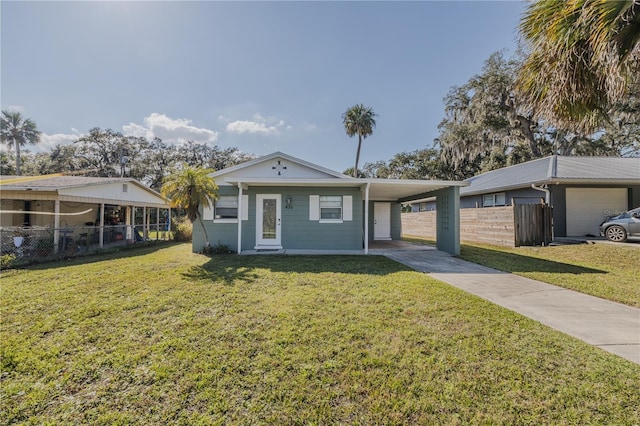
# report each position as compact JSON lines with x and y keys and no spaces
{"x":396,"y":221}
{"x":225,"y":233}
{"x":297,"y":231}
{"x":448,"y":220}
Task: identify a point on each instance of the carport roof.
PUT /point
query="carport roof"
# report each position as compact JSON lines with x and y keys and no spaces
{"x":379,"y":189}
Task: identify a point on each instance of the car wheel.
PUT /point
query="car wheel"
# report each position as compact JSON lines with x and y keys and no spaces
{"x":616,"y":233}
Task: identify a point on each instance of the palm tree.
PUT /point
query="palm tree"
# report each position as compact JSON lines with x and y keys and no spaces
{"x":359,"y":120}
{"x":190,"y":188}
{"x":18,"y":132}
{"x":584,"y":55}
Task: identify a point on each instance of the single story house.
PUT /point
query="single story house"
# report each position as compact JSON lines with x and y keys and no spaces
{"x":77,"y":210}
{"x":278,"y":202}
{"x":583,"y":191}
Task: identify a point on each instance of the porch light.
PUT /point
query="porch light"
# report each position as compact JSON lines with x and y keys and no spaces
{"x":288,"y":203}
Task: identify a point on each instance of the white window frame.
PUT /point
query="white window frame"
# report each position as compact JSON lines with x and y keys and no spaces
{"x":491,"y":200}
{"x":346,"y":208}
{"x":326,"y":200}
{"x":245,"y":209}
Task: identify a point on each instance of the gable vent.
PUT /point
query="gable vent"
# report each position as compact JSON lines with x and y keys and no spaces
{"x":125,"y":187}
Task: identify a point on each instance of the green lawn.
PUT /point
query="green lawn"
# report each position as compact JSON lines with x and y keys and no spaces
{"x":602,"y":270}
{"x":164,"y":336}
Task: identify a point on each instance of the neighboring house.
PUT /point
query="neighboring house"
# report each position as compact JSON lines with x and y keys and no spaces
{"x":278,"y":202}
{"x":583,"y":191}
{"x":77,"y":209}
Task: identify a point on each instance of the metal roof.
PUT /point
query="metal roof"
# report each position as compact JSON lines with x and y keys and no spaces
{"x":605,"y":168}
{"x":55,"y":183}
{"x":50,"y":183}
{"x":557,"y":169}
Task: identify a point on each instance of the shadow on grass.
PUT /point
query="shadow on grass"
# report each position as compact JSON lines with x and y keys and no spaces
{"x":510,"y":262}
{"x":134,"y":250}
{"x":231,"y":269}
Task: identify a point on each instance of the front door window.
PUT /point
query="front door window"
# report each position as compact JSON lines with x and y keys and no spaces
{"x":268,"y":221}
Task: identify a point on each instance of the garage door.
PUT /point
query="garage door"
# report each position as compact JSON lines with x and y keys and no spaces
{"x":587,"y":207}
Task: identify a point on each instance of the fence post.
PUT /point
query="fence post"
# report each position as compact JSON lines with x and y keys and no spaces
{"x":101,"y":245}
{"x":56,"y":226}
{"x":516,"y":225}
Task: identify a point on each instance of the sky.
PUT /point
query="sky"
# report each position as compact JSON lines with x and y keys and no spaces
{"x":260,"y":76}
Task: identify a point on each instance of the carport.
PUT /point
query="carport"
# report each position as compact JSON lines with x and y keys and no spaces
{"x":446,"y":193}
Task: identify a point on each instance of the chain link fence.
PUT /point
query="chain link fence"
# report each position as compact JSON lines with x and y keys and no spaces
{"x":24,"y":245}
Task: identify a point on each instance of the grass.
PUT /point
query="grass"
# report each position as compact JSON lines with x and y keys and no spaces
{"x":161,"y":335}
{"x":602,"y":270}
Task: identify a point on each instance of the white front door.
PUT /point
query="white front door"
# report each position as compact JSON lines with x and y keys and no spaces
{"x":381,"y":221}
{"x":268,"y":219}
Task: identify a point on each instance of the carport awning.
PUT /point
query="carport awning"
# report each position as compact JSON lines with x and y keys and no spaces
{"x":379,"y":189}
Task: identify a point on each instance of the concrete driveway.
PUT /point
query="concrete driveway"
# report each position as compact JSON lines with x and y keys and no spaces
{"x":608,"y":325}
{"x":631,"y":242}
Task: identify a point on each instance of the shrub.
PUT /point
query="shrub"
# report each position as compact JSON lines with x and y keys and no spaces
{"x":183,"y":229}
{"x":6,"y":260}
{"x":219,"y":248}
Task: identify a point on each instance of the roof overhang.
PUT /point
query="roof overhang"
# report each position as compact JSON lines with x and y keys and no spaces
{"x":553,"y":181}
{"x":379,"y":189}
{"x":24,"y":190}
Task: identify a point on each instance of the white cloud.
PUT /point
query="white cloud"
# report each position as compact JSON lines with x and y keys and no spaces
{"x":258,"y":124}
{"x":259,"y":118}
{"x":48,"y":142}
{"x":137,"y":130}
{"x":241,"y":126}
{"x":170,"y":130}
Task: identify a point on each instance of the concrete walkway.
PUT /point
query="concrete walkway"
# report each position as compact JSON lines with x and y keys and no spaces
{"x":610,"y":326}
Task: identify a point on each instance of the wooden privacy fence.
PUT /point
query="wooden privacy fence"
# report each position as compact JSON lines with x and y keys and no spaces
{"x":533,"y":224}
{"x":510,"y":226}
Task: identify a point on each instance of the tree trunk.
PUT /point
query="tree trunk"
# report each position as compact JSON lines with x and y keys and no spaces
{"x":17,"y":157}
{"x":206,"y":237}
{"x":355,"y":169}
{"x":567,"y":146}
{"x":525,"y":124}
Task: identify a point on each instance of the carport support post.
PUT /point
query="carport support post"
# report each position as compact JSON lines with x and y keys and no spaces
{"x":448,"y":220}
{"x":366,"y":218}
{"x":239,"y":214}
